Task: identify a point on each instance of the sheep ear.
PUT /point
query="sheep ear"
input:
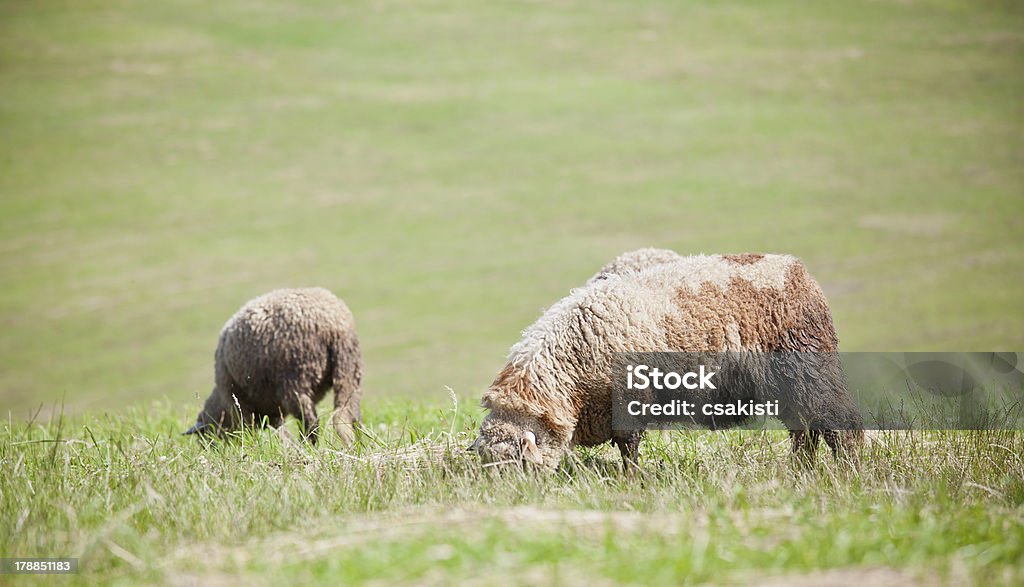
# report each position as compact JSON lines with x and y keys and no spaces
{"x":530,"y":451}
{"x":195,"y":429}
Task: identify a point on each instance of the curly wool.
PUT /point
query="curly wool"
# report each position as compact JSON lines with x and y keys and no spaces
{"x":634,"y":262}
{"x":278,"y":355}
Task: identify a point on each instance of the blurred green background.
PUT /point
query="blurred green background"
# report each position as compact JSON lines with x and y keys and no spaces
{"x":450,"y":168}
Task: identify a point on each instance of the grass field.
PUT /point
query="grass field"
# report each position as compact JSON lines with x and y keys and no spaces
{"x":450,"y":168}
{"x":139,"y":504}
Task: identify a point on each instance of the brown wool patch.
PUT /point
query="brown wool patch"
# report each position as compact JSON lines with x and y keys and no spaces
{"x":513,"y":391}
{"x":813,"y":330}
{"x":795,"y":319}
{"x":744,"y":258}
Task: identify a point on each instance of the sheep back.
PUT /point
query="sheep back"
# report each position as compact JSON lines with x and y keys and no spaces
{"x":634,"y":262}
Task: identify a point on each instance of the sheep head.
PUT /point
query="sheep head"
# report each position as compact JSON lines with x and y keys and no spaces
{"x":217,"y":416}
{"x":507,"y":438}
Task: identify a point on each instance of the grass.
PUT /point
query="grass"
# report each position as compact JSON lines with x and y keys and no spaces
{"x":139,"y":503}
{"x":450,"y":168}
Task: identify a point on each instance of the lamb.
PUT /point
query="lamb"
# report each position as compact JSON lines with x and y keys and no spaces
{"x":278,"y":356}
{"x":555,"y":389}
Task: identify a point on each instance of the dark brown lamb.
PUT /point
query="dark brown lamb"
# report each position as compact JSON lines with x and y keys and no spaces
{"x":278,"y":356}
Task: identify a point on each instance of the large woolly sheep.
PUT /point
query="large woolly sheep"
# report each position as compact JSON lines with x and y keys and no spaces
{"x":556,"y":389}
{"x":278,"y":356}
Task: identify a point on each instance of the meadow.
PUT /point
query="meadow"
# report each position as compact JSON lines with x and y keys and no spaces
{"x":450,"y":168}
{"x":138,"y":504}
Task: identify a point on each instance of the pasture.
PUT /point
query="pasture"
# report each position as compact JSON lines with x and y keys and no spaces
{"x":139,"y":504}
{"x":449,"y":169}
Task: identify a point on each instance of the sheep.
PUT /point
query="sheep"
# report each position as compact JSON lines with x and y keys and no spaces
{"x":278,"y":356}
{"x":634,"y":262}
{"x":555,"y":390}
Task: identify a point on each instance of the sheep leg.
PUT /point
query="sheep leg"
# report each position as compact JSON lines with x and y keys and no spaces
{"x":629,"y":448}
{"x":832,"y":440}
{"x":302,"y":407}
{"x":247,"y":418}
{"x":348,"y":374}
{"x":804,"y":443}
{"x":273,"y":421}
{"x":846,"y":435}
{"x":844,"y":443}
{"x":804,"y":434}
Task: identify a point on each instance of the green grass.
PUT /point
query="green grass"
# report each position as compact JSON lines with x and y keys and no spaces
{"x":450,"y":168}
{"x":139,"y":503}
